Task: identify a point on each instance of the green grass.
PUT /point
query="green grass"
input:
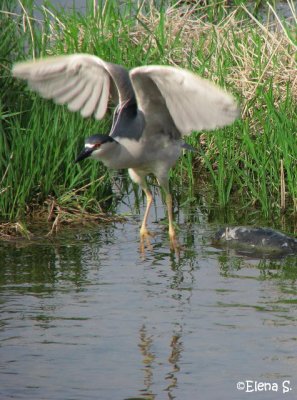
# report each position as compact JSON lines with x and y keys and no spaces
{"x":241,"y":163}
{"x":245,"y":164}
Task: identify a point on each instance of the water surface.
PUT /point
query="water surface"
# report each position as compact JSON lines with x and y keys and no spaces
{"x":84,"y":316}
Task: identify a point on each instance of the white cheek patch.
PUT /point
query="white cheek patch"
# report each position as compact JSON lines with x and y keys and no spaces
{"x":89,"y":146}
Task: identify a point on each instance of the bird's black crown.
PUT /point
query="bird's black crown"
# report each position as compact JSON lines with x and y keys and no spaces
{"x":97,"y":138}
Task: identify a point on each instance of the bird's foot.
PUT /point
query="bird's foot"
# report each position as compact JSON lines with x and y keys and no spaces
{"x":145,"y":241}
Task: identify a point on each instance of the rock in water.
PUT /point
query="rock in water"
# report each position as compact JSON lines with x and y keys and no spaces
{"x":257,"y":239}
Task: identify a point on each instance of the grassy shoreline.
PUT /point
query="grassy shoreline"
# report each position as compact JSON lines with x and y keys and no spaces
{"x":252,"y":163}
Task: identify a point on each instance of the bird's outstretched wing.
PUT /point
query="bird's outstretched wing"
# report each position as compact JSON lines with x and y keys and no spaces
{"x":83,"y":82}
{"x":192,"y":102}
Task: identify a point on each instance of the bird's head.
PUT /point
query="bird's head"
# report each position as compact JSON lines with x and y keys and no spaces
{"x":95,"y":147}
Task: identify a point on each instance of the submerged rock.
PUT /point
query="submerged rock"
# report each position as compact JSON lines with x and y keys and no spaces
{"x":256,"y":239}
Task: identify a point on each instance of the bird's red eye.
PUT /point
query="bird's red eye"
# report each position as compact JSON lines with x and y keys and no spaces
{"x":97,"y":145}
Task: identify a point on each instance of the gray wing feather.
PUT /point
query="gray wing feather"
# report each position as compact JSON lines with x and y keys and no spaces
{"x":78,"y":102}
{"x":83,"y":82}
{"x":193,"y":103}
{"x":69,"y":96}
{"x":104,"y":95}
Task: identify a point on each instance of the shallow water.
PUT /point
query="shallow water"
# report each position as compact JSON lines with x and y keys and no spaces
{"x":84,"y":316}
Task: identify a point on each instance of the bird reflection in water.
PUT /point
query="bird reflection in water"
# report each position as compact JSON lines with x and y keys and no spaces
{"x":149,"y":361}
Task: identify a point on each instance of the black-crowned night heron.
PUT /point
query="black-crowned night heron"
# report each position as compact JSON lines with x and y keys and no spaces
{"x":157,"y":106}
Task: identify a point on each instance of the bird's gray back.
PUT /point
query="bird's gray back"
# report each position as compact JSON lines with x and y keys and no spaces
{"x":123,"y":87}
{"x":128,"y":122}
{"x":158,"y":120}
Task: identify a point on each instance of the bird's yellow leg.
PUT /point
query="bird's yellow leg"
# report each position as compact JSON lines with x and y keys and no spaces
{"x":174,"y":243}
{"x":144,"y":233}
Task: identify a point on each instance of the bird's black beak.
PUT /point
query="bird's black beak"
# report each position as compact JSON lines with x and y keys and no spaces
{"x":84,"y":154}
